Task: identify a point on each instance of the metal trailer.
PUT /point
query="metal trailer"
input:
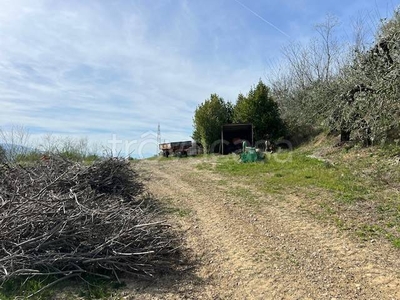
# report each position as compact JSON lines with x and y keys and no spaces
{"x":196,"y":149}
{"x":175,"y":148}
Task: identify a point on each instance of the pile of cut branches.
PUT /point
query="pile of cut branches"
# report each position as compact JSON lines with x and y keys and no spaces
{"x":66,"y":219}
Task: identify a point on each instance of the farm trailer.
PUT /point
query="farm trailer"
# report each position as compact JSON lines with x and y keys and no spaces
{"x":175,"y":148}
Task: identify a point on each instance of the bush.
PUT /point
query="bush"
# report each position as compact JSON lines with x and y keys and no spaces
{"x":29,"y":157}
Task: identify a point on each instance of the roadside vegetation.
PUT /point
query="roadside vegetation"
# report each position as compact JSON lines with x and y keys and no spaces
{"x":357,"y":189}
{"x":16,"y":146}
{"x":257,"y":107}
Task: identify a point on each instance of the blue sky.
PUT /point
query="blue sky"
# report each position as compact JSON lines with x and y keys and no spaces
{"x":101,"y":68}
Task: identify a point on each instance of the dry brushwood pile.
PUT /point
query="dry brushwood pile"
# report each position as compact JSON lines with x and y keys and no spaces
{"x":67,"y":219}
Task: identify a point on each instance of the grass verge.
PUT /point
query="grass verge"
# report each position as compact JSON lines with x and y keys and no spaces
{"x":353,"y":188}
{"x":24,"y":288}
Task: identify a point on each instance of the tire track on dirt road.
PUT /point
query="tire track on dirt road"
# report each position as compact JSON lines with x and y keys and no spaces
{"x":273,"y":252}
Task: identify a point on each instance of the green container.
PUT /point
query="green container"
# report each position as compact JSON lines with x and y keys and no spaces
{"x":250,"y":154}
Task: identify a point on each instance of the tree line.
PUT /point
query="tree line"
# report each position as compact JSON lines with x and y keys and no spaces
{"x":323,"y":85}
{"x":257,"y":107}
{"x":349,"y":89}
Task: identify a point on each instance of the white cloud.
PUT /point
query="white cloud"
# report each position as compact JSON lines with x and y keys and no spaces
{"x":81,"y":70}
{"x":98,"y":68}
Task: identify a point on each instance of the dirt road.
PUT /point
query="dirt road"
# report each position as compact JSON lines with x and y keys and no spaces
{"x":250,"y":245}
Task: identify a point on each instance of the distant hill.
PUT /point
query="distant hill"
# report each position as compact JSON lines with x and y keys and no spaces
{"x":11,"y":149}
{"x":18,"y":148}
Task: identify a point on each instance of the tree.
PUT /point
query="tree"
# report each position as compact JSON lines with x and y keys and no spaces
{"x":367,"y":106}
{"x":351,"y":89}
{"x":260,"y":109}
{"x":208,"y":119}
{"x":16,"y":141}
{"x":304,"y":84}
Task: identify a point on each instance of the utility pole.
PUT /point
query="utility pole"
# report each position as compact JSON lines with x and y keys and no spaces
{"x":158,"y":138}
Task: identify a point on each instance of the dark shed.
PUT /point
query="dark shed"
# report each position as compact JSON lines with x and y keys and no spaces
{"x":233,"y":135}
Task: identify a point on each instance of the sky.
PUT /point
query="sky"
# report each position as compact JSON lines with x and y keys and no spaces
{"x":114,"y":70}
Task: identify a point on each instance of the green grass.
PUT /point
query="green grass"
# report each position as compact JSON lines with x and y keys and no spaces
{"x":290,"y":170}
{"x":245,"y":195}
{"x":396,"y":242}
{"x":354,"y":189}
{"x":21,"y":288}
{"x":181,"y":212}
{"x":171,"y":157}
{"x":157,"y":157}
{"x":170,"y":207}
{"x":370,"y":232}
{"x":98,"y":288}
{"x":204,"y":166}
{"x":367,"y":231}
{"x":94,"y":288}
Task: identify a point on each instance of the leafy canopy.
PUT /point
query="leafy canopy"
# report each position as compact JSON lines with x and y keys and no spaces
{"x":259,"y":109}
{"x":208,"y":119}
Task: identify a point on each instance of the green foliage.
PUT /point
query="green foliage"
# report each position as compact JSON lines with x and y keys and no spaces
{"x":208,"y":119}
{"x":22,"y":288}
{"x":28,"y":157}
{"x":72,"y":155}
{"x":259,"y":109}
{"x":34,"y":156}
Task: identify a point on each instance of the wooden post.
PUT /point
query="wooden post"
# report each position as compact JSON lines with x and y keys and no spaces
{"x":222,"y":139}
